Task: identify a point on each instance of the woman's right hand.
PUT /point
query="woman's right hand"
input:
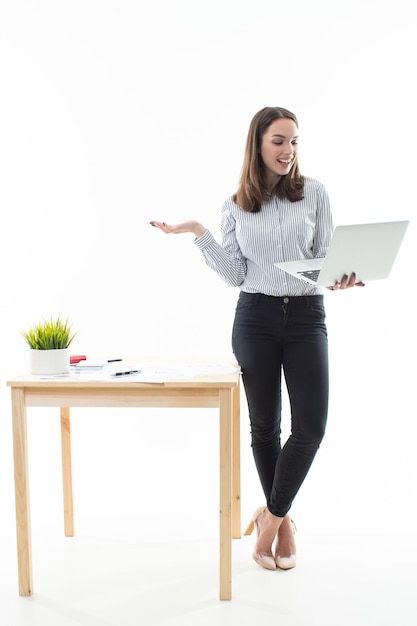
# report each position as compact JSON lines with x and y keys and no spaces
{"x":191,"y":226}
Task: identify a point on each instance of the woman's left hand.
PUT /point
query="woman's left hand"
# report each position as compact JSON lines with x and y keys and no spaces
{"x":347,"y":282}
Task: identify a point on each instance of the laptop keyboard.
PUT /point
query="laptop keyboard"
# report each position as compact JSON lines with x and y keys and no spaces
{"x":311,"y":274}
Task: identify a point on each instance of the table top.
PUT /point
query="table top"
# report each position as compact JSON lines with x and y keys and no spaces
{"x":223,"y":375}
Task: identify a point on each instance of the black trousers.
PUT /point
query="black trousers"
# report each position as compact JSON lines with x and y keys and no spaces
{"x":271,"y":336}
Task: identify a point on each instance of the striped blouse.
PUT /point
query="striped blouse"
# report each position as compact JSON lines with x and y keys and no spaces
{"x":281,"y":231}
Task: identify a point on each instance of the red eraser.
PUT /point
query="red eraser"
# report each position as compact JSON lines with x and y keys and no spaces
{"x":77,"y":359}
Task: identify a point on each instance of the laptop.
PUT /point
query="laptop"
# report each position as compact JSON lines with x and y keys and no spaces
{"x":369,"y":250}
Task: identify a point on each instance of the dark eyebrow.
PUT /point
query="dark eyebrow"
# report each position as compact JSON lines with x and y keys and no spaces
{"x":283,"y":136}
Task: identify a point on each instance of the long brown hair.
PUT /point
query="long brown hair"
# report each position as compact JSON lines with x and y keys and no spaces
{"x":252,"y":189}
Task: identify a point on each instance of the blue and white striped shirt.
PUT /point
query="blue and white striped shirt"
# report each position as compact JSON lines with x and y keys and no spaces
{"x":281,"y":231}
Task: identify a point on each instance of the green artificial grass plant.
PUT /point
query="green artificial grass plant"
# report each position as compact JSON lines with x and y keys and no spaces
{"x":49,"y":335}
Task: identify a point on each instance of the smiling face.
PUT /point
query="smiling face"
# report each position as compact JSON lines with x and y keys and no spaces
{"x":279,"y":149}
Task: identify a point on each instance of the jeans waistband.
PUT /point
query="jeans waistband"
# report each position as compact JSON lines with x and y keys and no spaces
{"x":261,"y":297}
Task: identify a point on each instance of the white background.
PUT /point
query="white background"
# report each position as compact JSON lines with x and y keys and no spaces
{"x":113,"y":113}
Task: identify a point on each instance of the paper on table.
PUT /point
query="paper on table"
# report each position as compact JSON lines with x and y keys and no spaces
{"x":158,"y":374}
{"x":89,"y":364}
{"x":143,"y":376}
{"x":162,"y":373}
{"x":189,"y":370}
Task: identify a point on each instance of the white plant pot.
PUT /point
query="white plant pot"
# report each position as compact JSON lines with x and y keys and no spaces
{"x":49,"y":361}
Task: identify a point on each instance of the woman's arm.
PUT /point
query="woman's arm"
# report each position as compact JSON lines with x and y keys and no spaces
{"x":191,"y":226}
{"x":226,"y":260}
{"x":324,"y":232}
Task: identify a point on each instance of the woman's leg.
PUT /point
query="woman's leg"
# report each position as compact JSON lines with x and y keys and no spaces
{"x":305,"y":363}
{"x":259,"y":356}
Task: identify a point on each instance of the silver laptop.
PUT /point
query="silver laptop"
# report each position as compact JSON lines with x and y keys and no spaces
{"x":369,"y":250}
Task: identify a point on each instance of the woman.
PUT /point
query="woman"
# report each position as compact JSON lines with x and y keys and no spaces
{"x":279,"y":327}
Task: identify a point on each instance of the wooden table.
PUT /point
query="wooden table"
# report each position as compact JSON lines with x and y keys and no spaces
{"x":219,"y":391}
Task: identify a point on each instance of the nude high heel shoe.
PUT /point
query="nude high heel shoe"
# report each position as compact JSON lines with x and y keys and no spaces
{"x":261,"y":558}
{"x":286,"y":562}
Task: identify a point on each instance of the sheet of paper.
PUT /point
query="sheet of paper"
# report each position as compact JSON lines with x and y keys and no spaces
{"x":155,"y":374}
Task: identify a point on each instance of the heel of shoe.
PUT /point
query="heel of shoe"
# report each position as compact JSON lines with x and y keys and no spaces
{"x":255,"y":516}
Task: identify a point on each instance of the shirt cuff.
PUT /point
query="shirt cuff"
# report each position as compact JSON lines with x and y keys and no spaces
{"x":205,"y":240}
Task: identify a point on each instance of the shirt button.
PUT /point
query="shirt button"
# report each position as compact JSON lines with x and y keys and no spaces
{"x":286,"y":300}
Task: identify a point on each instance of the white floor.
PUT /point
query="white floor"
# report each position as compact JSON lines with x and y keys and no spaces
{"x":127,"y":581}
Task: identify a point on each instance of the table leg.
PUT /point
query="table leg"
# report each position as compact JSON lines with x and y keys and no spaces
{"x":236,"y":500}
{"x":21,"y":478}
{"x":67,"y":472}
{"x":226,"y":414}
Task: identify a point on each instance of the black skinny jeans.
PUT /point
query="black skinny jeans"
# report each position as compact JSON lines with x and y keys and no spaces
{"x":272,"y":335}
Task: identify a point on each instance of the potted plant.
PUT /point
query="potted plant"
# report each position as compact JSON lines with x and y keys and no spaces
{"x":48,"y":342}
